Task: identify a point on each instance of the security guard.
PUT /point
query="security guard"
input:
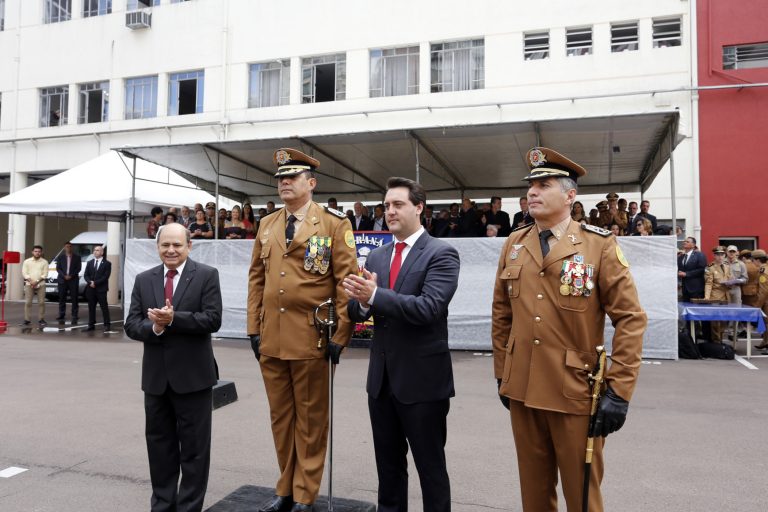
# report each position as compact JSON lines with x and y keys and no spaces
{"x":760,"y":258}
{"x":714,"y":275}
{"x":556,"y":281}
{"x":300,"y":258}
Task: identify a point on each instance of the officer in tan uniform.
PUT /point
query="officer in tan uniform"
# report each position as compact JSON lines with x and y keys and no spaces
{"x":555,"y":283}
{"x":749,"y":290}
{"x":618,"y":216}
{"x":714,"y":275}
{"x":300,"y":258}
{"x":760,"y":258}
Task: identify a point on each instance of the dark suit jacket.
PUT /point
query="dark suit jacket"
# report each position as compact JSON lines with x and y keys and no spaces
{"x":100,"y":277}
{"x":366,"y":224}
{"x":182,"y":356}
{"x":694,"y":268}
{"x":519,"y":217}
{"x":502,"y":218}
{"x":74,"y":267}
{"x":384,"y":226}
{"x":410,"y":332}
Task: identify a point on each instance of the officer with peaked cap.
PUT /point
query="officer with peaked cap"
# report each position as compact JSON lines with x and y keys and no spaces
{"x":761,"y":258}
{"x":556,"y":281}
{"x":300,"y":258}
{"x":717,"y":273}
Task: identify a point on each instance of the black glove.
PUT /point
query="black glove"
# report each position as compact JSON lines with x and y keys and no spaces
{"x":255,"y":342}
{"x":611,"y":413}
{"x":504,"y":399}
{"x":333,"y":352}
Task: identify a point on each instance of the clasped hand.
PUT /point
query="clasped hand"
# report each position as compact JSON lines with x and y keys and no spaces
{"x":161,"y":317}
{"x":360,"y":288}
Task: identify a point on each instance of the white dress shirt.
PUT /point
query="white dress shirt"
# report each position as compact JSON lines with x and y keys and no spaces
{"x":406,"y":250}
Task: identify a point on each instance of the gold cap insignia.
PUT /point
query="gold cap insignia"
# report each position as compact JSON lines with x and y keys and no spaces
{"x":282,"y":157}
{"x":537,"y":158}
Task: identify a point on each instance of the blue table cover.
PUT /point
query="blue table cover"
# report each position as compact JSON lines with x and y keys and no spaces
{"x":724,"y":313}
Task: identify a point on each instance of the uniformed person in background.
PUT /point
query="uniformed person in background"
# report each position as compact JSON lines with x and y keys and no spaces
{"x":604,"y":217}
{"x":555,"y":283}
{"x":750,"y":288}
{"x":714,"y":275}
{"x":618,"y":216}
{"x":300,"y":258}
{"x":760,"y":258}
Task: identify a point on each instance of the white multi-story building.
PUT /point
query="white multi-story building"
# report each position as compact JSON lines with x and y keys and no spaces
{"x":80,"y":77}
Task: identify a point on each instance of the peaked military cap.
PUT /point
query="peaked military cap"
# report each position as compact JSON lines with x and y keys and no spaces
{"x":548,"y":163}
{"x":611,"y":195}
{"x":719,"y":250}
{"x":291,"y":162}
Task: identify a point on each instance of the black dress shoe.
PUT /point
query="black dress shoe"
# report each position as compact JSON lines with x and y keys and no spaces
{"x":301,"y":507}
{"x":90,"y":328}
{"x":60,"y":319}
{"x":26,"y":322}
{"x":74,"y":321}
{"x":278,"y":504}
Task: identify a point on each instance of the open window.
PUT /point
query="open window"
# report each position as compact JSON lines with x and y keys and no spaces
{"x":323,"y":78}
{"x":94,"y":103}
{"x":54,"y":102}
{"x":186,"y":93}
{"x":536,"y":45}
{"x":624,"y":37}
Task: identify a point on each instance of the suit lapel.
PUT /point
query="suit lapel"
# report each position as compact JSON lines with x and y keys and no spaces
{"x":413,"y":255}
{"x":566,"y":246}
{"x":184,"y":279}
{"x":158,"y":286}
{"x":531,"y":244}
{"x":384,"y":274}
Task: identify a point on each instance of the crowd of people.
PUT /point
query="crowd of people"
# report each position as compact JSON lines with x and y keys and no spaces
{"x":241,"y":222}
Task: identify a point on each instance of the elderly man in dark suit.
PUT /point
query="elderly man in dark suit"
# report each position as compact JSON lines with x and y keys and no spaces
{"x":174,"y":309}
{"x":68,"y":265}
{"x":407,"y":286}
{"x":96,"y":275}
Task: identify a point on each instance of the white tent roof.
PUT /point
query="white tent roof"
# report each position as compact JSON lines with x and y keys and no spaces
{"x":102,"y":187}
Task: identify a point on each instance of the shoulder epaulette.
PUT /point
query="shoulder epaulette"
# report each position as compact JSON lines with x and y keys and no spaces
{"x":523,"y":227}
{"x":335,"y":212}
{"x":595,"y":229}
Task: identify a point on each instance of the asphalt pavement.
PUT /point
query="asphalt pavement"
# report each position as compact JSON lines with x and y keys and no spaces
{"x":71,"y":415}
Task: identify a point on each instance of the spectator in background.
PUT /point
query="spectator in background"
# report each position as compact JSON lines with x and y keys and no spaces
{"x":249,"y":221}
{"x":690,"y":269}
{"x":604,"y":217}
{"x":270,"y":207}
{"x":615,"y":229}
{"x":235,"y":229}
{"x":468,"y":219}
{"x":498,"y":218}
{"x":428,"y":221}
{"x":644,"y":207}
{"x":632,"y":215}
{"x":716,"y":275}
{"x":453,"y":221}
{"x":154,"y":223}
{"x":644,"y":227}
{"x":210,"y":214}
{"x":616,"y":215}
{"x":332,"y":203}
{"x":221,"y":223}
{"x":96,"y":275}
{"x":34,"y":270}
{"x":68,"y":265}
{"x":491,"y":231}
{"x":174,"y":211}
{"x":593,"y":217}
{"x":198,"y":208}
{"x":360,"y":222}
{"x":522,"y":218}
{"x":442,"y":222}
{"x":577,"y":212}
{"x":185,"y":219}
{"x":201,"y":228}
{"x":378,"y":221}
{"x":262,"y":213}
{"x":170,"y":218}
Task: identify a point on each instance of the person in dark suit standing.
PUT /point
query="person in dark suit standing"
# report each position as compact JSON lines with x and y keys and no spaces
{"x":96,"y":275}
{"x":360,"y":221}
{"x":645,"y":205}
{"x":406,"y":286}
{"x":174,"y":309}
{"x":68,"y":265}
{"x":498,"y":217}
{"x":523,"y":217}
{"x":690,"y":269}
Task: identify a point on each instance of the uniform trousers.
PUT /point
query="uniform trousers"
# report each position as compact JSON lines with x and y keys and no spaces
{"x":29,"y":293}
{"x":548,"y":441}
{"x":297,"y":391}
{"x":178,"y":433}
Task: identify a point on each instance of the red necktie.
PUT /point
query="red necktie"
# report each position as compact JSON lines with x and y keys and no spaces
{"x":396,"y":263}
{"x":169,"y":285}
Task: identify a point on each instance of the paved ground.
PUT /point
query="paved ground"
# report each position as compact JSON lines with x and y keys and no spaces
{"x":71,"y":413}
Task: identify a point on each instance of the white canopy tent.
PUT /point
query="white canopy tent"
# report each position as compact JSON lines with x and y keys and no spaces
{"x":104,"y":188}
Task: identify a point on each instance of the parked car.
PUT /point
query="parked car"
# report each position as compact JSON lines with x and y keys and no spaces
{"x":83,"y":245}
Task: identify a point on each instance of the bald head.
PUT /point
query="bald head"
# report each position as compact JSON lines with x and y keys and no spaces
{"x":174,"y":229}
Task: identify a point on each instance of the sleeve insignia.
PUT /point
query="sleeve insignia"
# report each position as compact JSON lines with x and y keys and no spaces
{"x":349,"y":239}
{"x":620,"y":255}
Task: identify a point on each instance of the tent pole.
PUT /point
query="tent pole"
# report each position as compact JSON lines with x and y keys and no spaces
{"x":672,"y":181}
{"x":216,"y":198}
{"x":132,"y":213}
{"x":418,"y":166}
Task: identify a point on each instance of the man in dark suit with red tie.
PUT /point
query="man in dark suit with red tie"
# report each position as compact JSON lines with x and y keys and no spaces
{"x":691,"y":265}
{"x":174,"y":309}
{"x":96,"y":275}
{"x":406,"y":286}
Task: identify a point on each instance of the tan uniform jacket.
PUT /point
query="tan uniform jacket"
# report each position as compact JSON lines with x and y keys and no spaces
{"x":544,"y":342}
{"x":714,"y":274}
{"x":749,"y":288}
{"x":282,"y":295}
{"x":762,"y":290}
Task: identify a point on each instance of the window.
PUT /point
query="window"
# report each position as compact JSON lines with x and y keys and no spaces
{"x":141,"y":97}
{"x":536,"y":45}
{"x":2,"y":15}
{"x":185,"y":93}
{"x":57,"y":10}
{"x":395,"y":72}
{"x":745,"y":56}
{"x":666,"y":32}
{"x":457,"y":65}
{"x":269,"y":84}
{"x":323,"y":78}
{"x":178,"y":1}
{"x":54,"y":102}
{"x":624,"y":37}
{"x":578,"y":41}
{"x":96,"y":8}
{"x":134,"y":5}
{"x":94,"y":103}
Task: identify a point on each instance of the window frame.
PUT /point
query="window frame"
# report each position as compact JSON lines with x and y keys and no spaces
{"x":578,"y":47}
{"x":670,"y":38}
{"x":47,"y":94}
{"x":257,"y":70}
{"x":63,"y":9}
{"x":102,"y":8}
{"x":379,"y":58}
{"x":308,"y":76}
{"x":83,"y":91}
{"x":536,"y":45}
{"x":437,"y":55}
{"x":731,"y":55}
{"x":174,"y":80}
{"x":150,"y":81}
{"x":632,"y":43}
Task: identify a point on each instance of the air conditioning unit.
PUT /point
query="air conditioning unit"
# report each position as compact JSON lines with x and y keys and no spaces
{"x":138,"y":19}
